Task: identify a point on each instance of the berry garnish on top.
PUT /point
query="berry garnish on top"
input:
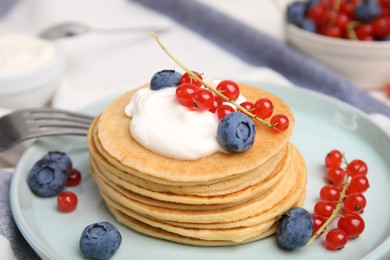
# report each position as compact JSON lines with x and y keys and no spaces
{"x":165,"y":79}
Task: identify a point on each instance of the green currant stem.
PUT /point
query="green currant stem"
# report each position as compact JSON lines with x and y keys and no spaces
{"x":209,"y":87}
{"x":335,"y":213}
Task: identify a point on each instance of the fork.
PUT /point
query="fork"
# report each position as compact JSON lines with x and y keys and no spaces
{"x":27,"y":124}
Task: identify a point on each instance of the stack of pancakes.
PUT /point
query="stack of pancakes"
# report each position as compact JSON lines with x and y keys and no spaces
{"x":221,"y":199}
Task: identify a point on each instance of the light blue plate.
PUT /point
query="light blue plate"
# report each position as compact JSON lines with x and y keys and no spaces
{"x":322,"y":124}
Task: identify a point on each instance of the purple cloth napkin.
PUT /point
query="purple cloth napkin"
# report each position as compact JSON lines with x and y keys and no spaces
{"x":8,"y":229}
{"x":259,"y":49}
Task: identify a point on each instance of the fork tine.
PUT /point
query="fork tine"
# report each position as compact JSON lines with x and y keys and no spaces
{"x":52,"y":114}
{"x":27,"y":124}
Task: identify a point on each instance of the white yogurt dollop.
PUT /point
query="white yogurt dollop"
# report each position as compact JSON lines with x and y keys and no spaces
{"x":162,"y":125}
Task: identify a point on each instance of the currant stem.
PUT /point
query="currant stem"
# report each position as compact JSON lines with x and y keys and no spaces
{"x":335,"y":12}
{"x":209,"y":87}
{"x":335,"y":213}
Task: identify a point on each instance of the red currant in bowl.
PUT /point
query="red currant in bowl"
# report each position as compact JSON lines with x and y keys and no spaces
{"x":342,"y":41}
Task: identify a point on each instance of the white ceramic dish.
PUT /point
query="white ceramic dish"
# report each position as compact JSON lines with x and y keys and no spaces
{"x":322,"y":124}
{"x":367,"y":64}
{"x":30,"y":71}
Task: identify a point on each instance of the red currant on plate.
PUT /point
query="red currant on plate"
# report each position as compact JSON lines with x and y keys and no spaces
{"x":358,"y":184}
{"x":67,"y":201}
{"x":356,"y":167}
{"x":336,"y":239}
{"x":333,"y":159}
{"x":330,"y":192}
{"x":74,"y":177}
{"x":318,"y":221}
{"x":352,"y":224}
{"x":355,"y":203}
{"x":324,"y":208}
{"x":336,"y":175}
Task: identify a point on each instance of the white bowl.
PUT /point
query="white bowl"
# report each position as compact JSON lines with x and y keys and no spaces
{"x":30,"y":71}
{"x":366,"y":64}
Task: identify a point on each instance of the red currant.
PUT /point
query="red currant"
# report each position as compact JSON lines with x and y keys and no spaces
{"x":380,"y":27}
{"x":279,"y":122}
{"x":223,"y":110}
{"x":336,"y":239}
{"x":318,"y":221}
{"x":364,"y":32}
{"x":184,"y":93}
{"x":248,"y":106}
{"x":355,"y":203}
{"x":333,"y":159}
{"x":74,"y":177}
{"x":387,"y":87}
{"x":66,"y":201}
{"x":356,"y":167}
{"x":217,"y":102}
{"x":186,"y":78}
{"x":358,"y":184}
{"x":336,"y":175}
{"x":352,"y":224}
{"x":330,"y":192}
{"x":264,"y":108}
{"x":324,"y":208}
{"x":229,"y":89}
{"x":333,"y":32}
{"x":203,"y":99}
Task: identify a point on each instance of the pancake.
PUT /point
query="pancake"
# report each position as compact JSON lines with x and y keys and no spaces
{"x":219,"y":200}
{"x":116,"y":140}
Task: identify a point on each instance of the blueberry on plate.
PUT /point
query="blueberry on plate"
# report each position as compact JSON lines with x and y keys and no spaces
{"x":165,"y":79}
{"x":236,"y":132}
{"x":61,"y":158}
{"x":100,"y":240}
{"x":295,"y":228}
{"x":46,"y":178}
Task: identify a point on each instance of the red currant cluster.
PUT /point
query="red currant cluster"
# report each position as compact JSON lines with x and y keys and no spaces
{"x":351,"y":19}
{"x":342,"y":198}
{"x":192,"y":95}
{"x":67,"y":200}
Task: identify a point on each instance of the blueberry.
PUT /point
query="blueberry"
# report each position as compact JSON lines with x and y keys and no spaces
{"x":296,"y":13}
{"x":46,"y":178}
{"x":61,"y":158}
{"x":165,"y":79}
{"x":236,"y":132}
{"x":367,"y":10}
{"x":309,"y":25}
{"x":100,"y":240}
{"x":312,"y":3}
{"x":295,"y":228}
